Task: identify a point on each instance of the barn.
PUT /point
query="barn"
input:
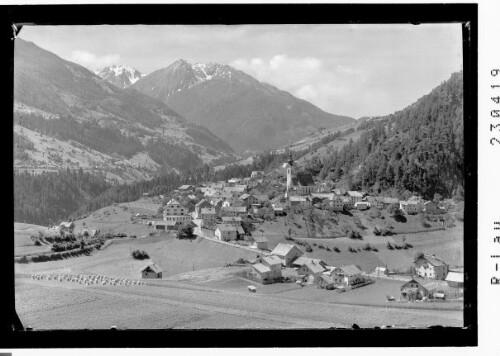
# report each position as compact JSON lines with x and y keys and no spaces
{"x":152,"y":271}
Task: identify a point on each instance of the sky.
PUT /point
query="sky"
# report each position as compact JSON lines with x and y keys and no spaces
{"x":355,"y":70}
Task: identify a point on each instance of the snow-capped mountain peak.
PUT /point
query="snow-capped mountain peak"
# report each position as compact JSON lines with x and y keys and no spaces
{"x":119,"y":75}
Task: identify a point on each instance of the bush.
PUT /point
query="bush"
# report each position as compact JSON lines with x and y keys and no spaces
{"x":350,"y":249}
{"x":367,"y":247}
{"x":336,"y":249}
{"x":308,"y":247}
{"x":389,"y":246}
{"x":38,"y":243}
{"x":355,"y":235}
{"x":140,"y":255}
{"x":328,"y":248}
{"x":23,"y":259}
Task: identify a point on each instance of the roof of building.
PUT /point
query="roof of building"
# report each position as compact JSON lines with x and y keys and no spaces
{"x":283,"y":249}
{"x":259,"y":267}
{"x":173,"y":201}
{"x":244,"y":196}
{"x":303,"y":179}
{"x":260,"y":239}
{"x":169,"y":223}
{"x":184,"y":187}
{"x":239,"y":209}
{"x":427,"y":283}
{"x":436,"y":262}
{"x":272,"y":260}
{"x":302,"y":260}
{"x":455,"y":277}
{"x":355,"y":194}
{"x":67,"y":224}
{"x":351,"y":270}
{"x":202,"y":201}
{"x":207,"y":211}
{"x":314,"y":267}
{"x":226,"y":227}
{"x":298,"y":198}
{"x":409,"y":202}
{"x":153,"y":266}
{"x":238,"y":203}
{"x":232,"y":218}
{"x":328,"y":278}
{"x":261,"y":197}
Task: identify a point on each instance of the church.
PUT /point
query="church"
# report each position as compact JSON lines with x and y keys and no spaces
{"x":302,"y":182}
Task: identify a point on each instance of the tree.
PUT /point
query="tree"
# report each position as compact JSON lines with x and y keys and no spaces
{"x":186,"y":232}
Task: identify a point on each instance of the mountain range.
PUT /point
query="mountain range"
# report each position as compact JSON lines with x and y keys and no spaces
{"x":251,"y":116}
{"x":119,"y":75}
{"x":68,"y":117}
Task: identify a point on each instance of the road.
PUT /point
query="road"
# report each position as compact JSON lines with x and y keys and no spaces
{"x":43,"y":305}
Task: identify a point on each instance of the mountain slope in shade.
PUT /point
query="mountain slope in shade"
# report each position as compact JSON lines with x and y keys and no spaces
{"x":119,"y":75}
{"x":64,"y":102}
{"x":248,"y":114}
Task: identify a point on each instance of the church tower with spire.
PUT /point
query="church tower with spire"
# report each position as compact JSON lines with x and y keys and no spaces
{"x":288,"y":165}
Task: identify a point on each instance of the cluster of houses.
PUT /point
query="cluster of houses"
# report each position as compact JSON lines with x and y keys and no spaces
{"x":433,"y":279}
{"x":246,"y":197}
{"x":288,"y":259}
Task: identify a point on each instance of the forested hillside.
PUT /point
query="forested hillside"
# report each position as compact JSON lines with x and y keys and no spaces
{"x":419,"y":149}
{"x":51,"y":196}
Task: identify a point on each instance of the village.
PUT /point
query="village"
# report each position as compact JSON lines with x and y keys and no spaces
{"x":238,"y":213}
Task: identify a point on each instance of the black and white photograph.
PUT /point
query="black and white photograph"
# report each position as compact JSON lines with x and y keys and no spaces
{"x":296,"y":176}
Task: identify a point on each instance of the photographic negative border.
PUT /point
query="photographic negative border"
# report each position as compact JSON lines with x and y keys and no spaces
{"x":230,"y":14}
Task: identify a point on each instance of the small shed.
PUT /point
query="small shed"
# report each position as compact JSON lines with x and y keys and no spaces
{"x":152,"y":271}
{"x":260,"y":242}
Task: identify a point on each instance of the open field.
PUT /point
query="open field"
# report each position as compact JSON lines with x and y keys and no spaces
{"x":22,"y":240}
{"x":47,"y":304}
{"x":172,"y":255}
{"x":447,"y":245}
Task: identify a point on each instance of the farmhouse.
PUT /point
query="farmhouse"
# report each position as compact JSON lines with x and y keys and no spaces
{"x":226,"y":232}
{"x":431,"y":267}
{"x":311,"y":268}
{"x":351,"y":275}
{"x":328,"y":281}
{"x":287,"y":253}
{"x":273,"y":263}
{"x":261,"y":272}
{"x":151,"y":271}
{"x":418,"y":288}
{"x":410,"y":207}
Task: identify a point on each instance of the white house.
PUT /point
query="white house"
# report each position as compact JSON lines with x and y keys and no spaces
{"x":411,"y":206}
{"x":352,"y":274}
{"x":225,"y":232}
{"x":428,"y":266}
{"x":302,"y":201}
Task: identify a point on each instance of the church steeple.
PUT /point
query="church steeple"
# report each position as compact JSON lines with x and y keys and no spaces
{"x":288,"y":167}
